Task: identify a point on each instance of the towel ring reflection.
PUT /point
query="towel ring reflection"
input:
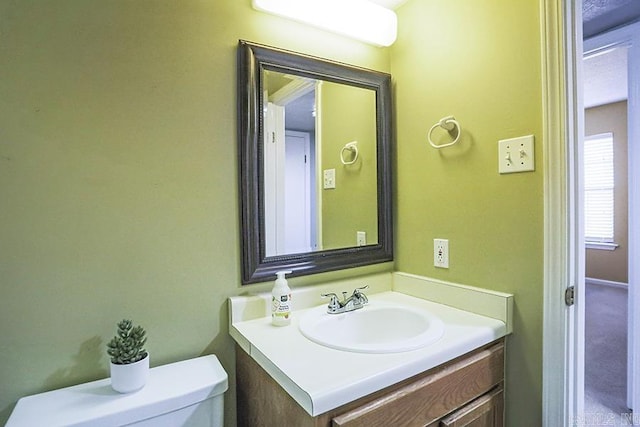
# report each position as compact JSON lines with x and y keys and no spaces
{"x":353,"y":148}
{"x":449,"y":124}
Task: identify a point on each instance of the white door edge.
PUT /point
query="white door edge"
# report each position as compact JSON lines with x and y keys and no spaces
{"x":629,"y":36}
{"x":563,"y":383}
{"x":563,"y":357}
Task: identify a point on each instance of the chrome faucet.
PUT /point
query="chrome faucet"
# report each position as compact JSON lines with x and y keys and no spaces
{"x":356,"y":301}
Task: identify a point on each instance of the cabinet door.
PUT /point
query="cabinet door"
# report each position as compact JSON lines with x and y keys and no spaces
{"x":485,"y":411}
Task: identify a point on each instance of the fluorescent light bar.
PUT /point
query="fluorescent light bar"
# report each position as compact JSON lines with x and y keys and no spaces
{"x":359,"y":19}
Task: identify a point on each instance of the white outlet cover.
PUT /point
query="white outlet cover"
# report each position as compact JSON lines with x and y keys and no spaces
{"x":516,"y":155}
{"x":441,"y":253}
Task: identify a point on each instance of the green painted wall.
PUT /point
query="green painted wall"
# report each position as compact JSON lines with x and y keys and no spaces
{"x":349,"y":114}
{"x":479,"y":61}
{"x":118,"y":179}
{"x":118,"y":174}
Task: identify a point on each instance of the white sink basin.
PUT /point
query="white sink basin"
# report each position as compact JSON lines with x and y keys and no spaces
{"x":378,"y":327}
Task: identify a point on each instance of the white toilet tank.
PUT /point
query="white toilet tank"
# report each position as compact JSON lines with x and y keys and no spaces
{"x":186,"y":393}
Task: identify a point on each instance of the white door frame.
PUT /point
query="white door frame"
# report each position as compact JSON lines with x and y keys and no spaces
{"x":563,"y":383}
{"x":563,"y":356}
{"x":633,"y":111}
{"x":274,"y":160}
{"x":319,"y":167}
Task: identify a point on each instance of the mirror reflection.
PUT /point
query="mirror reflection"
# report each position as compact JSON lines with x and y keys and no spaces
{"x":314,"y":145}
{"x":320,"y":166}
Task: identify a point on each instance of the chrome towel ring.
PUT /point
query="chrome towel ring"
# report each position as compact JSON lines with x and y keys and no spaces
{"x":451,"y":125}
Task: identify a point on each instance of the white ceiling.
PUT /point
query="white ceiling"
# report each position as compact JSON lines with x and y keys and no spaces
{"x":599,"y":16}
{"x":605,"y":77}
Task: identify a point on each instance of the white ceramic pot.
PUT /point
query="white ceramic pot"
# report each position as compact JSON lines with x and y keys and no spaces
{"x":131,"y":377}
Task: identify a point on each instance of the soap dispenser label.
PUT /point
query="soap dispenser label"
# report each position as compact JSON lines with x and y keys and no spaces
{"x":280,"y":306}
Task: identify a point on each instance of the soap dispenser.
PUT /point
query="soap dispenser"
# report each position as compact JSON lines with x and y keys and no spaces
{"x":281,"y":301}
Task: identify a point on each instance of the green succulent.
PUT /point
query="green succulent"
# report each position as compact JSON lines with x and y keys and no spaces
{"x":128,"y":345}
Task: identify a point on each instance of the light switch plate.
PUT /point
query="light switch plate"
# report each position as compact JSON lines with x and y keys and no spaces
{"x":329,"y":178}
{"x":516,"y":155}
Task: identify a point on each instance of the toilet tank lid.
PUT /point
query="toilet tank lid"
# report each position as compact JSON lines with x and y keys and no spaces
{"x":169,"y":388}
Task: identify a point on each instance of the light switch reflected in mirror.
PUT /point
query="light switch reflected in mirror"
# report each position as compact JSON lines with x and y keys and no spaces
{"x":308,"y":203}
{"x":309,"y":123}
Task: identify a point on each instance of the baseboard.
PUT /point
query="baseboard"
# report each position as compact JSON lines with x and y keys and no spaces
{"x":600,"y":282}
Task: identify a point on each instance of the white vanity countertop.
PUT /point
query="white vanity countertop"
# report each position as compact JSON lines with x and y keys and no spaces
{"x":320,"y":378}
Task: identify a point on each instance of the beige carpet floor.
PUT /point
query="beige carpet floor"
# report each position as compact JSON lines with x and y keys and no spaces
{"x":606,"y":356}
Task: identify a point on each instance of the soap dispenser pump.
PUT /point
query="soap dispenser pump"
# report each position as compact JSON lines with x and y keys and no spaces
{"x":281,"y":301}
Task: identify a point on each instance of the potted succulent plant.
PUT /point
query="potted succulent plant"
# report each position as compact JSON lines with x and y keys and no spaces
{"x":129,"y":359}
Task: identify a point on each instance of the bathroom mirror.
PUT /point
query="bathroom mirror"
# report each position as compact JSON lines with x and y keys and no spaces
{"x":315,"y":164}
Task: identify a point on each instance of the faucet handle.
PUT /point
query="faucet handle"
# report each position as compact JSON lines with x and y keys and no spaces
{"x":334,"y":303}
{"x":362,"y":298}
{"x":357,"y":293}
{"x":334,"y":298}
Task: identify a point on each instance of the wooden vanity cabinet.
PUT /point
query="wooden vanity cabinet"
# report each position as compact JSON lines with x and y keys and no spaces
{"x":467,"y":391}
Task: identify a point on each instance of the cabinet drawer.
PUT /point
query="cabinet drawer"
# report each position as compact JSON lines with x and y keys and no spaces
{"x":430,"y":398}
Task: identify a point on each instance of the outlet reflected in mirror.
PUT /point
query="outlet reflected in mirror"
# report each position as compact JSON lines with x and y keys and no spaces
{"x":308,"y":123}
{"x":315,"y":163}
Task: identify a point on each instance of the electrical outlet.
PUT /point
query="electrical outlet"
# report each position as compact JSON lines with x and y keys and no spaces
{"x":441,"y":253}
{"x":361,"y":238}
{"x":329,"y":178}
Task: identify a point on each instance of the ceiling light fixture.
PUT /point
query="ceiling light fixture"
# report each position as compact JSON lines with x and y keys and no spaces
{"x":359,"y":19}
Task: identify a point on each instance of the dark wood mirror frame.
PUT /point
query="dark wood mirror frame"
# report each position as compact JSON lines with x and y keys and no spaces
{"x":256,"y":266}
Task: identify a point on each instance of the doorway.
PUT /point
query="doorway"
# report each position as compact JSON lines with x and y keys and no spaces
{"x":623,"y":45}
{"x":605,"y":188}
{"x":563,"y":384}
{"x":290,"y":202}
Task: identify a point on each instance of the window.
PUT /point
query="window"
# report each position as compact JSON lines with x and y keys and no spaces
{"x":598,"y":188}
